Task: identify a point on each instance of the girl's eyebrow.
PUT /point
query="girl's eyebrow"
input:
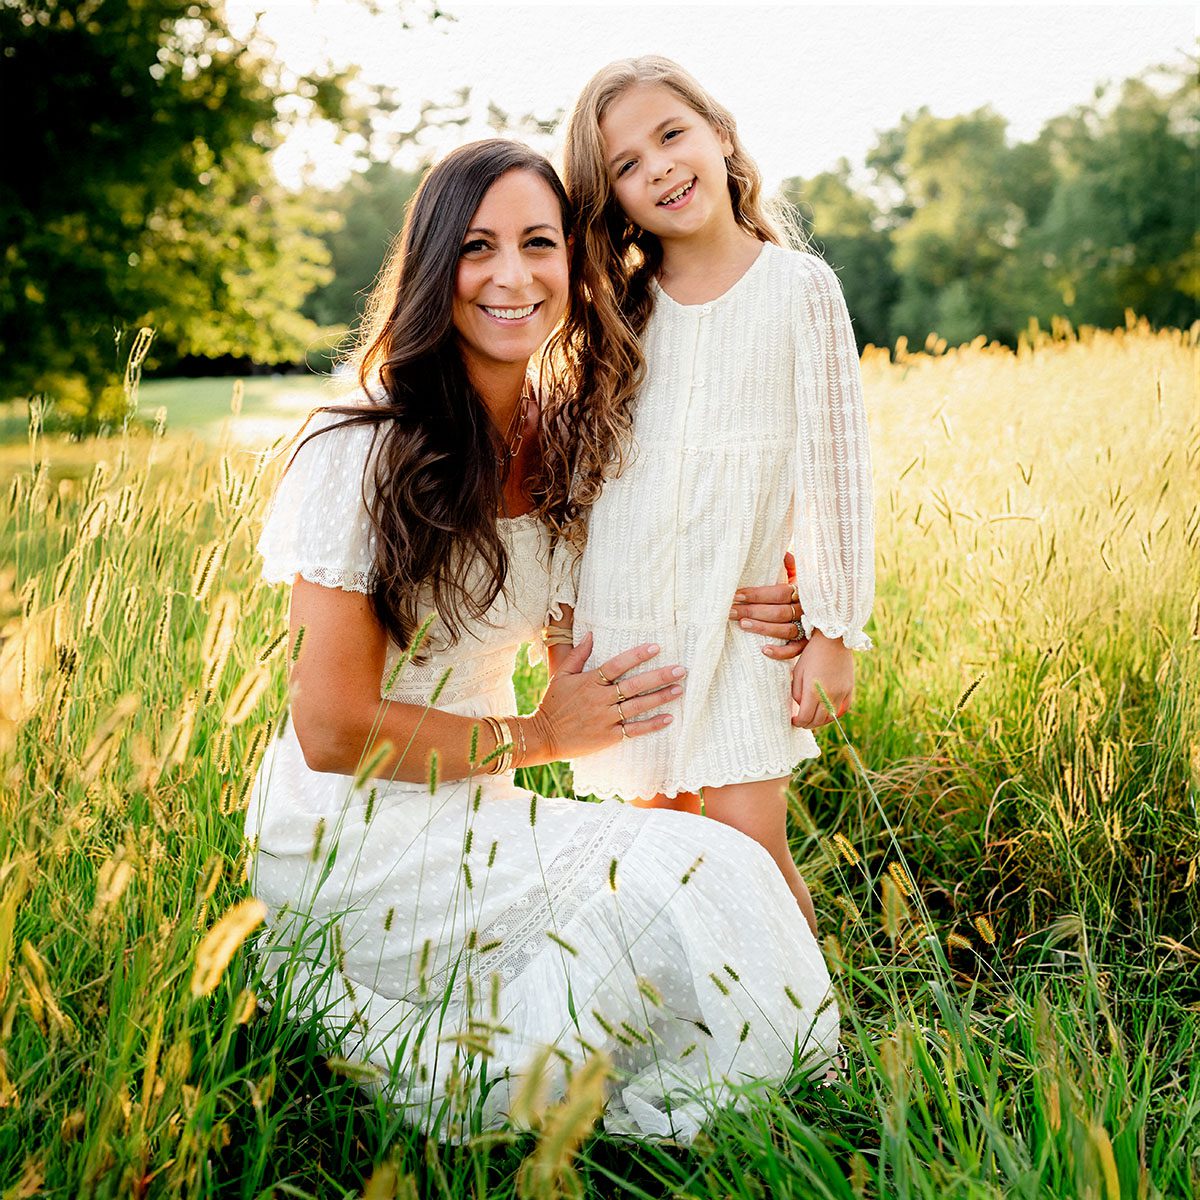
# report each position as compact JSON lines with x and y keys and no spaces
{"x":524,"y":233}
{"x":612,"y":162}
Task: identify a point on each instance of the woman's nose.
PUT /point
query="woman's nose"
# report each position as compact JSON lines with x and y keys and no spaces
{"x":512,"y":270}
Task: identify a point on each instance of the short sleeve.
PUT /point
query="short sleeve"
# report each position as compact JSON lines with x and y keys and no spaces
{"x":834,"y":533}
{"x":317,"y":525}
{"x":564,"y":577}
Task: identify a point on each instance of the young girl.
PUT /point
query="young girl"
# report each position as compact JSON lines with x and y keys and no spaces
{"x":724,"y":418}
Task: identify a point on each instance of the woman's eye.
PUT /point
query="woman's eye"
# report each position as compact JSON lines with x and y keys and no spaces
{"x":543,"y":243}
{"x":473,"y":247}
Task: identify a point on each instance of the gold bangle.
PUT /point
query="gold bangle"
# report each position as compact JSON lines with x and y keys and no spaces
{"x":519,"y":726}
{"x":502,"y":756}
{"x":506,"y":739}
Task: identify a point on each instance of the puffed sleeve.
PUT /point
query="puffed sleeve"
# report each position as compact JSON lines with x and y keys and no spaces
{"x":834,"y":531}
{"x":317,"y":525}
{"x":564,"y":577}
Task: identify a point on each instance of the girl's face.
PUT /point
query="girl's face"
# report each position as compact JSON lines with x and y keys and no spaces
{"x":512,"y":283}
{"x":665,"y":162}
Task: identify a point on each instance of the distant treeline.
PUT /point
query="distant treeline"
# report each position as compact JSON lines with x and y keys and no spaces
{"x":949,"y":228}
{"x":952,"y":230}
{"x":142,"y":195}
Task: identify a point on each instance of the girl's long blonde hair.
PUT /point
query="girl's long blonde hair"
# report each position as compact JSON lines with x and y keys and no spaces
{"x":613,"y":262}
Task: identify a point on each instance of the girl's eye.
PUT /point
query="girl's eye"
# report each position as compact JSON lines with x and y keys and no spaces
{"x":672,"y":133}
{"x":623,"y":168}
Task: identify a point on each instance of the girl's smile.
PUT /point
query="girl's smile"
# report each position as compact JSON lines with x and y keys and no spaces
{"x":666,"y":163}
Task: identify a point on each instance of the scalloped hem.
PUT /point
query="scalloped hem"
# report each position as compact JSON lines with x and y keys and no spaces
{"x":673,"y":787}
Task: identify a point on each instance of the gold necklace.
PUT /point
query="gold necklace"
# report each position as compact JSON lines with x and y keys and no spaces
{"x":520,"y":418}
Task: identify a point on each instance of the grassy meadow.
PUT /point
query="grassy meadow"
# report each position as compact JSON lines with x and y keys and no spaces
{"x":1002,"y":839}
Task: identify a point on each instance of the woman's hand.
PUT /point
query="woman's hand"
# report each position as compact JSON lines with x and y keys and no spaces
{"x":773,"y":611}
{"x":581,"y":713}
{"x":828,"y":662}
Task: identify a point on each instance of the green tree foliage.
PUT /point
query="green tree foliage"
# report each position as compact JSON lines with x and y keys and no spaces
{"x":372,"y":205}
{"x":956,"y":231}
{"x":852,"y":237}
{"x":141,"y":193}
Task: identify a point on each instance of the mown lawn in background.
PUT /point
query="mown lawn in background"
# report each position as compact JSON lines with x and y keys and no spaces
{"x":202,"y":406}
{"x":1002,"y":839}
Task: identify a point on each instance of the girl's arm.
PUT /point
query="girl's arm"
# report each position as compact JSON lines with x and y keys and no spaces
{"x":341,"y":722}
{"x":834,"y":532}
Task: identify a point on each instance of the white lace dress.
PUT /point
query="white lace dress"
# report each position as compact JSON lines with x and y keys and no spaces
{"x":443,"y":939}
{"x":749,"y":436}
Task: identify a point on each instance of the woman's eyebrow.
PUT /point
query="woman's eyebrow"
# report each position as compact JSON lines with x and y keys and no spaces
{"x":612,"y":162}
{"x":524,"y":232}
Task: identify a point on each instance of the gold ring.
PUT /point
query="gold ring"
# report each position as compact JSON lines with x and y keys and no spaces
{"x":620,"y":694}
{"x":795,"y":594}
{"x":604,"y":677}
{"x":621,"y":714}
{"x":795,"y":604}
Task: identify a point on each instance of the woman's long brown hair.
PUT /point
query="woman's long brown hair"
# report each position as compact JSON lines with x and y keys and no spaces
{"x":612,"y":265}
{"x":437,"y":485}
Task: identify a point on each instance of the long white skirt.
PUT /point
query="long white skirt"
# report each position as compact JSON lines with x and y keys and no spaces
{"x":446,"y":941}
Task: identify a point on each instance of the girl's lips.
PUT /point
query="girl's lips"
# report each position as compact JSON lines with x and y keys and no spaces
{"x":682,"y":200}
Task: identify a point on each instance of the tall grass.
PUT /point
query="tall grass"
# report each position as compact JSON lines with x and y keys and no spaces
{"x":1002,"y":839}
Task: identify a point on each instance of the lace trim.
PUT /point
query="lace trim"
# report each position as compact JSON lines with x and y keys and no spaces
{"x":853,"y":637}
{"x":519,"y":934}
{"x":335,"y":577}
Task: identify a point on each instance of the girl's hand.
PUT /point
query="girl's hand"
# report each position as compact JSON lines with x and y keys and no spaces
{"x":581,"y":713}
{"x":828,"y":662}
{"x":774,"y":612}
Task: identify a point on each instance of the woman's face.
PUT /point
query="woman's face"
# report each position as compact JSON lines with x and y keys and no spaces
{"x":512,"y":284}
{"x":666,"y":163}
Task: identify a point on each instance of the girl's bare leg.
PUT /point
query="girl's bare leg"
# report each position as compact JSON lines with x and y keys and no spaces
{"x":759,"y":809}
{"x":688,"y":802}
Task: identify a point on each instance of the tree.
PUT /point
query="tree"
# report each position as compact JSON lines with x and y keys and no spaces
{"x":1119,"y":230}
{"x":848,"y":229}
{"x":144,"y":194}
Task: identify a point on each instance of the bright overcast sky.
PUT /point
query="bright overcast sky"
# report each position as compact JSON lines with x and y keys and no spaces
{"x":808,"y":84}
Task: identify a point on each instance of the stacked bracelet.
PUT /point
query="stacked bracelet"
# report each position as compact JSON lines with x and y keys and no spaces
{"x":502,"y":731}
{"x":556,"y":635}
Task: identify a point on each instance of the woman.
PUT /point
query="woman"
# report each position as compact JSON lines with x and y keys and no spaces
{"x":445,"y":924}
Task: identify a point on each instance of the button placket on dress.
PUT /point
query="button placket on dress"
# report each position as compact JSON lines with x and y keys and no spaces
{"x":697,"y":383}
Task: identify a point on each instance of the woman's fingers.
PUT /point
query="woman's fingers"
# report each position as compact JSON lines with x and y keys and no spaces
{"x":774,"y":593}
{"x":775,"y":614}
{"x":616,"y":666}
{"x":647,"y":725}
{"x":649,"y":681}
{"x":785,"y":651}
{"x":573,"y":661}
{"x":634,"y":706}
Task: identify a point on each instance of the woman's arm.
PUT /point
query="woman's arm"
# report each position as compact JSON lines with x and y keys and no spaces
{"x":340,"y":720}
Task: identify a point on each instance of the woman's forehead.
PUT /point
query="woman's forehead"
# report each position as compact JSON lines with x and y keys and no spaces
{"x":519,"y":199}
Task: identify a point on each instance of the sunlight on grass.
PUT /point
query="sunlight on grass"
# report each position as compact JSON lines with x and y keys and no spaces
{"x":1002,"y":840}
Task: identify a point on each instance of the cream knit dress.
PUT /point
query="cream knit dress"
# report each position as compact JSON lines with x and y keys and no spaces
{"x":749,"y":436}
